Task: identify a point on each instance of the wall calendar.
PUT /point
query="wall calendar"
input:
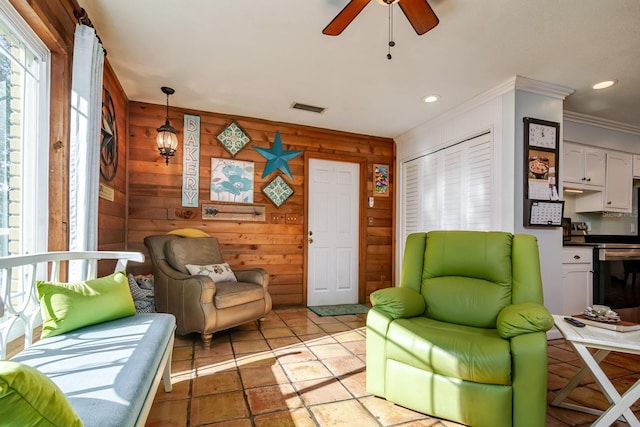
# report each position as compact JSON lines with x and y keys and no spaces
{"x":542,"y":204}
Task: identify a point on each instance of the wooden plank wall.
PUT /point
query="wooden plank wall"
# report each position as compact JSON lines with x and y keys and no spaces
{"x":154,"y":196}
{"x":112,"y":215}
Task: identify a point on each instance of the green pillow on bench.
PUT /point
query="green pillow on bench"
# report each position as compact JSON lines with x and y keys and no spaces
{"x":69,"y":306}
{"x":30,"y":398}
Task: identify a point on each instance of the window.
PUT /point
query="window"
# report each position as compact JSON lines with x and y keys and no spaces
{"x":24,"y":142}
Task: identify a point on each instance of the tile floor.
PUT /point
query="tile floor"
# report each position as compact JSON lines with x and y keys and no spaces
{"x":306,"y":370}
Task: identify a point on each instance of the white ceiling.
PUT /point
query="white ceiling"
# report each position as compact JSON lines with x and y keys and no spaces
{"x":255,"y":58}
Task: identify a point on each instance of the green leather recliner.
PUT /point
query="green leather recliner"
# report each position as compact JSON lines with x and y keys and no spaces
{"x":463,"y":336}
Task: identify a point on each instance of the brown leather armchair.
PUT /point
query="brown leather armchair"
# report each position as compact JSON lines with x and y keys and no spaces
{"x":199,"y":303}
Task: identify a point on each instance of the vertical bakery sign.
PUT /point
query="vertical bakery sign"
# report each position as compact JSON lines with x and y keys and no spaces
{"x":191,"y":161}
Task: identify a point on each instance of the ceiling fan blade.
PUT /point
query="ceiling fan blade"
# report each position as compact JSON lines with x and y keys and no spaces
{"x":344,"y":18}
{"x":419,"y":14}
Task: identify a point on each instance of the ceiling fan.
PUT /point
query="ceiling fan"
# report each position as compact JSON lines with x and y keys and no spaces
{"x":418,"y":12}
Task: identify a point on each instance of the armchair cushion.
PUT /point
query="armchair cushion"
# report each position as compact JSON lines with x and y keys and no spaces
{"x":231,"y":294}
{"x":523,"y":318}
{"x":454,"y":351}
{"x":398,"y":302}
{"x":202,"y":251}
{"x":217,"y":272}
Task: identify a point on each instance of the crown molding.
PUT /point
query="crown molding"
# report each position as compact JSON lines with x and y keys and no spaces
{"x":542,"y":88}
{"x":585,"y":119}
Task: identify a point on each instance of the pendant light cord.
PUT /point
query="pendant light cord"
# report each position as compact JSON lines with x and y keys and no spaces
{"x":391,"y":42}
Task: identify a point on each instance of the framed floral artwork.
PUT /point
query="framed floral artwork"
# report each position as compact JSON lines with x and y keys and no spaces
{"x":232,"y":181}
{"x":381,"y":180}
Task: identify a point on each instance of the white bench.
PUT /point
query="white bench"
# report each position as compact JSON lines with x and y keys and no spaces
{"x":109,"y":372}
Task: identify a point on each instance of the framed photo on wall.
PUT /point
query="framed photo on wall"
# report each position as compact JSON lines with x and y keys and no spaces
{"x":381,"y":180}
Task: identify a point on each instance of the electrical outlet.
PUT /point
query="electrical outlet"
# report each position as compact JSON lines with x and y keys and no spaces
{"x":291,"y":218}
{"x":370,"y":220}
{"x":277,"y":218}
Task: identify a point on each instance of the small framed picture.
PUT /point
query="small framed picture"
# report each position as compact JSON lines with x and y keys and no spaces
{"x":381,"y":180}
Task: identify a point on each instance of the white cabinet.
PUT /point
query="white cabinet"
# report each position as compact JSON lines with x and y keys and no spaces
{"x":636,"y":166}
{"x":577,"y":279}
{"x":617,"y":194}
{"x":619,"y":182}
{"x":584,"y":166}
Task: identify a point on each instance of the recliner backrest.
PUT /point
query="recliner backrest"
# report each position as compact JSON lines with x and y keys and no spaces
{"x":467,"y":276}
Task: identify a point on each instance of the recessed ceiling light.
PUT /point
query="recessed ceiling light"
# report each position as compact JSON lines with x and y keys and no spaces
{"x":430,"y":98}
{"x":605,"y":84}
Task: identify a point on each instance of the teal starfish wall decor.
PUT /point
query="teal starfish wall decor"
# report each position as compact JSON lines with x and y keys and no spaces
{"x":277,"y":157}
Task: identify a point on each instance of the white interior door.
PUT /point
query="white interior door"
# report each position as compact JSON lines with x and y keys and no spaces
{"x":332,"y":273}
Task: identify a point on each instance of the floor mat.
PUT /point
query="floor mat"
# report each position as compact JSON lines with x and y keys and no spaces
{"x":339,"y":310}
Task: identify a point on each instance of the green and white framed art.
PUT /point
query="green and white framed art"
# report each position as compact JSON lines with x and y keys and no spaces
{"x":278,"y":191}
{"x":233,"y":139}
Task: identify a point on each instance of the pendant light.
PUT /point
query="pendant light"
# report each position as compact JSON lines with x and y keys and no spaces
{"x":167,"y":138}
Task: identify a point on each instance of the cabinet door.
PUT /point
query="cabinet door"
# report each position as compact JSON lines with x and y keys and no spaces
{"x":577,"y":288}
{"x":594,"y":163}
{"x":573,"y":164}
{"x":619,"y":182}
{"x":636,"y":166}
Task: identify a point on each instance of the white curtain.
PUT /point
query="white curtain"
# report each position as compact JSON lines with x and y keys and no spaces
{"x":84,"y":152}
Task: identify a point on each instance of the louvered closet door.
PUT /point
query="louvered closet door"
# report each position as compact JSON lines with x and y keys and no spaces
{"x":480,"y":192}
{"x":450,"y":189}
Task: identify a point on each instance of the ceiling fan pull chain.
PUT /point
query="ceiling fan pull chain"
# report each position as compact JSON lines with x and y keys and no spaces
{"x":391,"y":42}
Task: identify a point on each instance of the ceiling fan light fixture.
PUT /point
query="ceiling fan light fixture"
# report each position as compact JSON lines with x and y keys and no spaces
{"x":387,"y":2}
{"x":431,"y":98}
{"x":604,"y":84}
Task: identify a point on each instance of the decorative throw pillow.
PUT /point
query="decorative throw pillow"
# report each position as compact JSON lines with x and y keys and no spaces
{"x":145,"y":281}
{"x":142,"y":298}
{"x":188,"y":232}
{"x":137,"y":293}
{"x":69,"y":306}
{"x":29,"y":398}
{"x":217,"y":272}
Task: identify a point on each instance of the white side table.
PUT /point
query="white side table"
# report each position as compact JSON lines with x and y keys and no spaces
{"x":604,"y":341}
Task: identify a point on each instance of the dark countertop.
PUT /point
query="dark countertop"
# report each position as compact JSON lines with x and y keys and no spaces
{"x":604,"y":238}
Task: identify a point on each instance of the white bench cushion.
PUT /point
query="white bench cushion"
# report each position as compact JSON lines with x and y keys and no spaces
{"x":106,"y":370}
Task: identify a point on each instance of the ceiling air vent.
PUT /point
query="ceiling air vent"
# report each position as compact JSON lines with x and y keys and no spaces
{"x":305,"y":107}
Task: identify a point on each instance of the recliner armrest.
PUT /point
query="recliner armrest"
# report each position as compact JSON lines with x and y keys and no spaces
{"x":523,"y":318}
{"x":398,"y":302}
